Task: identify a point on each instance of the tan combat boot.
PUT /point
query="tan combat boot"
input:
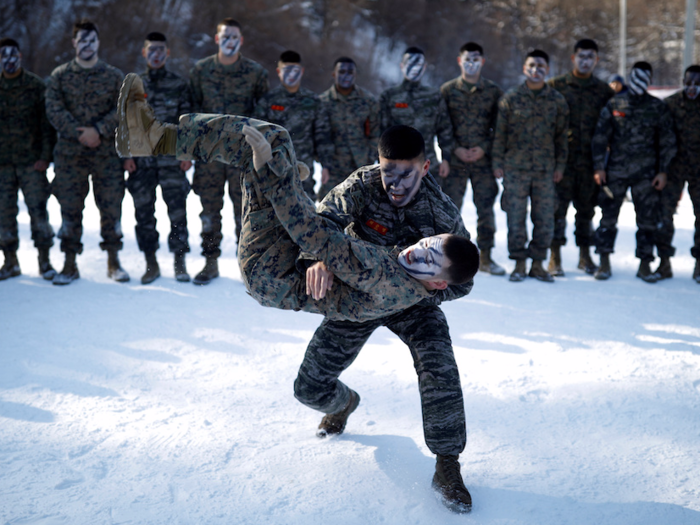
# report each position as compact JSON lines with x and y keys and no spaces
{"x":69,"y":273}
{"x":152,"y":269}
{"x":585,"y":262}
{"x":664,"y":271}
{"x":554,"y":268}
{"x":539,"y":273}
{"x":519,"y":272}
{"x":114,"y":268}
{"x":448,"y":482}
{"x":487,"y":265}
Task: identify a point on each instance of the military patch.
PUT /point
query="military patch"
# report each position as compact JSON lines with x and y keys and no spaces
{"x":377,"y":227}
{"x":275,"y":107}
{"x":401,"y":105}
{"x":617,"y":113}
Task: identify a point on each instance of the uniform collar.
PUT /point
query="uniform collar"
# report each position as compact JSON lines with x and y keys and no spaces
{"x":475,"y":87}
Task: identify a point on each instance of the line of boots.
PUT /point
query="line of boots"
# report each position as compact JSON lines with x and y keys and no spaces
{"x":645,"y":273}
{"x":585,"y":262}
{"x":153,"y":269}
{"x":70,"y":269}
{"x":11,"y":268}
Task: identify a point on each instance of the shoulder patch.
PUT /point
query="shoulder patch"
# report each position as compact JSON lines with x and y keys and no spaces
{"x":377,"y":227}
{"x":618,"y":113}
{"x":401,"y":105}
{"x":276,"y":107}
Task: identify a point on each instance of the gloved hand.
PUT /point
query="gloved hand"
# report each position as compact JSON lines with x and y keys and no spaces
{"x":262,"y":151}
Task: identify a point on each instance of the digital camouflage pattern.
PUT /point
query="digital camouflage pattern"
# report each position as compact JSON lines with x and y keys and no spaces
{"x":586,"y":98}
{"x":354,"y":123}
{"x":305,"y":118}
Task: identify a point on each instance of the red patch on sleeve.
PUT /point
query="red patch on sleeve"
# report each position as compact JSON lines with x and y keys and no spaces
{"x":617,"y":113}
{"x":275,"y":107}
{"x":377,"y":227}
{"x":402,"y":105}
{"x":368,"y":128}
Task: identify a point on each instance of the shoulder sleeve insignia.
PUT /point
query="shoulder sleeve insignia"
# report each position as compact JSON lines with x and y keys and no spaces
{"x":275,"y":107}
{"x":617,"y":113}
{"x":402,"y":105}
{"x":377,"y":227}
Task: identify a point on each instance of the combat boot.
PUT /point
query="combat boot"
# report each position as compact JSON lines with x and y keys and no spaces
{"x":11,"y":266}
{"x":604,"y":272}
{"x":69,"y":273}
{"x":448,"y":482}
{"x":664,"y":270}
{"x":645,"y":273}
{"x":554,"y":268}
{"x":181,"y":274}
{"x":520,"y":271}
{"x":45,"y":269}
{"x":585,"y":262}
{"x":696,"y":272}
{"x":210,"y":272}
{"x":114,"y":268}
{"x":487,"y":265}
{"x":335,"y":423}
{"x":539,"y":273}
{"x":152,"y":269}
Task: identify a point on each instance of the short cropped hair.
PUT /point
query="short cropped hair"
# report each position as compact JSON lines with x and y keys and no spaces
{"x":343,"y":60}
{"x":9,"y":42}
{"x":646,"y":66}
{"x":538,"y":53}
{"x":464,"y":259}
{"x":84,"y":24}
{"x":228,"y":22}
{"x":586,"y":43}
{"x":290,"y":56}
{"x":155,"y":36}
{"x":401,"y":143}
{"x":471,"y":47}
{"x":691,"y":69}
{"x":413,"y":50}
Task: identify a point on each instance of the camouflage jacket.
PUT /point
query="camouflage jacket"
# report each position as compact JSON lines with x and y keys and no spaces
{"x":169,"y":96}
{"x":303,"y":115}
{"x":531,"y":131}
{"x":76,"y":97}
{"x":361,"y":207}
{"x":586,"y":98}
{"x":420,"y":107}
{"x":686,"y":122}
{"x":231,"y":90}
{"x":354,"y":128}
{"x":26,"y":133}
{"x":473,"y":113}
{"x":639,"y":132}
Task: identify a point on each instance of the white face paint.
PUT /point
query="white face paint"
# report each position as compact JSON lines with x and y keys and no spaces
{"x":156,"y":54}
{"x":535,"y":69}
{"x":401,"y":179}
{"x":87,"y":43}
{"x":692,"y":85}
{"x":290,"y":75}
{"x":425,"y":260}
{"x":229,"y":40}
{"x":345,"y":74}
{"x":413,"y":66}
{"x":11,"y":61}
{"x":639,"y":81}
{"x":471,"y":63}
{"x":585,"y":61}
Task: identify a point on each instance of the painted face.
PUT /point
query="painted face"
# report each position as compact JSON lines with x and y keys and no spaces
{"x":413,"y":66}
{"x":691,"y":81}
{"x":345,"y":74}
{"x":401,"y":179}
{"x":290,"y":75}
{"x":230,"y":40}
{"x":639,"y":81}
{"x":585,"y":61}
{"x":87,"y":44}
{"x":535,"y":69}
{"x":471,"y":63}
{"x":11,"y":61}
{"x":425,"y":260}
{"x":156,"y":54}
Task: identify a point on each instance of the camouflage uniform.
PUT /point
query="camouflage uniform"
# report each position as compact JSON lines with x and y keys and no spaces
{"x":586,"y":98}
{"x":86,"y":97}
{"x":361,"y":207}
{"x":27,"y":137}
{"x":639,"y":132}
{"x":420,"y":107}
{"x":530,"y":145}
{"x":169,"y":96}
{"x":685,"y":166}
{"x":354,"y":132}
{"x":279,"y":220}
{"x":473,"y":110}
{"x":230,"y":90}
{"x":306,"y":120}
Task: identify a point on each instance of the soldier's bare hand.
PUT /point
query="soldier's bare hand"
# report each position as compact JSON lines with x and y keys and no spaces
{"x":462,"y":154}
{"x":444,"y":169}
{"x":41,"y":165}
{"x":89,"y":137}
{"x":185,"y":165}
{"x":600,"y":177}
{"x":659,"y":182}
{"x":325,"y":175}
{"x":318,"y":280}
{"x":475,"y":153}
{"x":558,"y":175}
{"x":130,"y":165}
{"x":498,"y":173}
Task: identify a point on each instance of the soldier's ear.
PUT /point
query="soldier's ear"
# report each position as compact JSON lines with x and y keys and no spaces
{"x":438,"y":285}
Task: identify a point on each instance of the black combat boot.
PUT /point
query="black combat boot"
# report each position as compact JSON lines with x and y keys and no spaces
{"x":554,"y":268}
{"x":45,"y":269}
{"x":645,"y":273}
{"x":520,"y":271}
{"x":450,"y":485}
{"x":210,"y":272}
{"x":585,"y":262}
{"x":114,"y":268}
{"x":335,"y":423}
{"x":539,"y":273}
{"x":181,"y":274}
{"x":487,"y":265}
{"x":664,"y":270}
{"x":69,"y":273}
{"x":11,"y":266}
{"x":604,"y":272}
{"x":696,"y":272}
{"x":152,"y":269}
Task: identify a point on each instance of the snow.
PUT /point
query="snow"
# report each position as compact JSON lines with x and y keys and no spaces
{"x":173,"y":404}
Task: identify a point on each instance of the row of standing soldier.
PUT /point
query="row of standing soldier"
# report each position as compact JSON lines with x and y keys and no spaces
{"x":540,"y":138}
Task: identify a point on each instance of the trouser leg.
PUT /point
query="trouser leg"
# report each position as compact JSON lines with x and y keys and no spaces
{"x":142,"y":186}
{"x":9,"y":186}
{"x":647,"y":210}
{"x":668,"y":204}
{"x":485,"y":189}
{"x":606,"y":233}
{"x":455,"y":185}
{"x":108,"y":186}
{"x":36,"y":191}
{"x":694,"y":191}
{"x":516,"y":191}
{"x":564,"y":195}
{"x":175,"y":187}
{"x":71,"y":186}
{"x":542,"y":201}
{"x":584,"y":199}
{"x":208,"y":183}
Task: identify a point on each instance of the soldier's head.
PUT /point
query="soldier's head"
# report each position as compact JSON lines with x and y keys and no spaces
{"x":585,"y":57}
{"x":536,"y":67}
{"x":616,"y":83}
{"x":155,"y":50}
{"x":228,"y":37}
{"x":640,"y":78}
{"x":86,"y":40}
{"x":290,"y":70}
{"x":441,"y":260}
{"x":691,"y":82}
{"x":471,"y":60}
{"x":11,"y":58}
{"x":344,"y":74}
{"x":402,"y":163}
{"x":413,"y":64}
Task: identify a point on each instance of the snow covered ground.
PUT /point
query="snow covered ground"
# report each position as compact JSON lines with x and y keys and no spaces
{"x":172,"y":404}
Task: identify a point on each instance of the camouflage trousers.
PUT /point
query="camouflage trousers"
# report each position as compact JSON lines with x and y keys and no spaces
{"x":538,"y":188}
{"x":35,"y":188}
{"x":208,"y":183}
{"x":579,"y":187}
{"x":647,"y":203}
{"x":71,"y":186}
{"x":678,"y":175}
{"x":336,"y":344}
{"x":485,"y":189}
{"x":279,"y":220}
{"x":175,"y":187}
{"x":336,"y":176}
